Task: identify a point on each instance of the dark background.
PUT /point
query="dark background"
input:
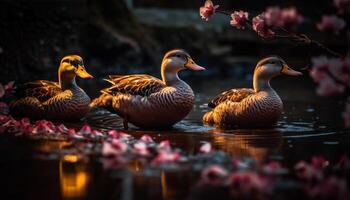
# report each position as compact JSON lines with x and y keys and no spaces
{"x":114,"y":38}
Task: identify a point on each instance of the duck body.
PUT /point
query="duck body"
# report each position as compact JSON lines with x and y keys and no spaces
{"x":63,"y":100}
{"x":149,"y":102}
{"x":258,"y":107}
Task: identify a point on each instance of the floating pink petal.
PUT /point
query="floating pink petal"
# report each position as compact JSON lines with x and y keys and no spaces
{"x":343,"y":6}
{"x":331,"y":188}
{"x":331,"y":23}
{"x":140,"y":148}
{"x":307,"y":172}
{"x":239,"y":19}
{"x":261,"y":27}
{"x":166,"y":157}
{"x":164,"y":146}
{"x":207,"y":10}
{"x":9,"y":87}
{"x":85,"y":130}
{"x":43,"y":127}
{"x":250,"y":182}
{"x":62,"y":129}
{"x":115,"y":148}
{"x":319,"y":162}
{"x":147,"y":139}
{"x":214,"y":175}
{"x":118,"y":134}
{"x":206,"y":148}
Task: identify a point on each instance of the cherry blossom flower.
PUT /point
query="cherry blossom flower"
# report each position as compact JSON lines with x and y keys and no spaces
{"x":343,"y":6}
{"x":85,"y":130}
{"x":115,"y":148}
{"x":331,"y":23}
{"x":307,"y":172}
{"x":341,"y":70}
{"x":214,"y":175}
{"x":166,"y":157}
{"x":290,"y":18}
{"x":319,"y":162}
{"x":164,"y":146}
{"x":347,"y":114}
{"x":261,"y":27}
{"x":272,"y":16}
{"x":9,"y":87}
{"x":147,"y":139}
{"x":239,"y":19}
{"x":328,"y":87}
{"x":4,"y":109}
{"x":140,"y":149}
{"x":205,"y":148}
{"x":250,"y":182}
{"x":43,"y":127}
{"x":207,"y":10}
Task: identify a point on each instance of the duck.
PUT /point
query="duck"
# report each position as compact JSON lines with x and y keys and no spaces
{"x":63,"y":100}
{"x":148,"y":102}
{"x":245,"y":107}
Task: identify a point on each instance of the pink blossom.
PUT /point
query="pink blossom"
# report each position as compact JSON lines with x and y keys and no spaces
{"x":9,"y":87}
{"x":205,"y":148}
{"x":85,"y":130}
{"x":115,"y":148}
{"x":328,"y":87}
{"x":343,"y":6}
{"x":272,"y":16}
{"x":214,"y":175}
{"x":239,"y":19}
{"x":307,"y":172}
{"x":62,"y":129}
{"x":207,"y":10}
{"x":140,"y":148}
{"x":331,"y":23}
{"x":146,"y":138}
{"x":43,"y":127}
{"x":71,"y":132}
{"x":272,"y":167}
{"x":250,"y":182}
{"x":118,"y":134}
{"x":347,"y":114}
{"x":320,"y":68}
{"x":166,"y":157}
{"x":164,"y":146}
{"x":4,"y":108}
{"x":290,"y":18}
{"x":261,"y":27}
{"x":341,"y":70}
{"x":319,"y":162}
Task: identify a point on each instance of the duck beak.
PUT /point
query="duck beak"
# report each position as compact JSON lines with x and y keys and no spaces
{"x":193,"y":66}
{"x":288,"y":71}
{"x":82,"y":73}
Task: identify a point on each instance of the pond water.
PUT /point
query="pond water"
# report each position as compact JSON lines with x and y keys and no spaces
{"x":40,"y":169}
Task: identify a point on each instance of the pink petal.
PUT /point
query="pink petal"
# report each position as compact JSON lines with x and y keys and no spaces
{"x":164,"y":146}
{"x":214,"y":175}
{"x":147,"y":139}
{"x":85,"y":130}
{"x":206,"y":148}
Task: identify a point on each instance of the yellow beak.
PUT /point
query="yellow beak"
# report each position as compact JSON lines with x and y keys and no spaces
{"x":82,"y":73}
{"x":288,"y":71}
{"x":193,"y":66}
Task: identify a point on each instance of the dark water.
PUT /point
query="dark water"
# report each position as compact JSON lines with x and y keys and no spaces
{"x":41,"y":169}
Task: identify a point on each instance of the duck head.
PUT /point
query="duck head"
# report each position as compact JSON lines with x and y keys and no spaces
{"x":175,"y":61}
{"x":70,"y":67}
{"x":268,"y":68}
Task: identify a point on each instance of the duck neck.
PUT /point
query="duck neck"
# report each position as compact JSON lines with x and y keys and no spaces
{"x":66,"y":81}
{"x":170,"y":74}
{"x":261,"y":83}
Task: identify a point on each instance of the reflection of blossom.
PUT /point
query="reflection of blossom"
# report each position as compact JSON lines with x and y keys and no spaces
{"x":250,"y":182}
{"x":331,"y":23}
{"x":319,"y":162}
{"x":261,"y":27}
{"x":214,"y":175}
{"x":343,"y":6}
{"x":166,"y":157}
{"x":239,"y":19}
{"x":147,"y":139}
{"x":207,"y":10}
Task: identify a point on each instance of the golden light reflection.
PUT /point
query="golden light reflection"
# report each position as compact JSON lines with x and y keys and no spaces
{"x":255,"y":145}
{"x":164,"y":185}
{"x":74,"y":177}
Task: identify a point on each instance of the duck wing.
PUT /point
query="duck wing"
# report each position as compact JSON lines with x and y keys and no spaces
{"x":41,"y":89}
{"x":234,"y":95}
{"x":138,"y":84}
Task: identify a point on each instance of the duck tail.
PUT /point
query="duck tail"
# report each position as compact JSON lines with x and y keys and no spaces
{"x":208,"y":117}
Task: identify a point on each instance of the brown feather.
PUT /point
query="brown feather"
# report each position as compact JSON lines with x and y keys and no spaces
{"x":234,"y":95}
{"x":41,"y":89}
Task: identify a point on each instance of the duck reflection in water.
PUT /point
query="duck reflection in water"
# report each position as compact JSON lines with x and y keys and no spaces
{"x":256,"y":144}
